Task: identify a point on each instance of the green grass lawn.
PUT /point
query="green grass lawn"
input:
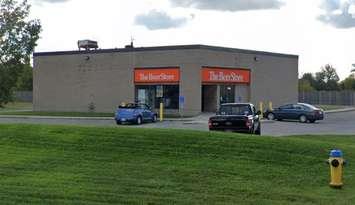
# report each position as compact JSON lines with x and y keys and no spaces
{"x":90,"y":165}
{"x":58,"y":114}
{"x":15,"y":106}
{"x":25,"y":109}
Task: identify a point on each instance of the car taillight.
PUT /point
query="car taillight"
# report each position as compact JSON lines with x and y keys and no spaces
{"x":249,"y":123}
{"x":209,"y":123}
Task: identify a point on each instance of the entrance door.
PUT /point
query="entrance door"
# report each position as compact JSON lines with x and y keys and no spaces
{"x":227,"y":94}
{"x":145,"y":95}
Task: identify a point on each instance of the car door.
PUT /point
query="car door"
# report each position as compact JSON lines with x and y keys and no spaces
{"x":292,"y":112}
{"x":141,"y":111}
{"x":146,"y":112}
{"x":284,"y":112}
{"x":298,"y":111}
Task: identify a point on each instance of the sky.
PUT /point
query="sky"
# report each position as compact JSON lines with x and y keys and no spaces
{"x":319,"y":31}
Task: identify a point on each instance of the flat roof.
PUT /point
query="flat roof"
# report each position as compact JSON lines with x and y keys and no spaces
{"x":165,"y":48}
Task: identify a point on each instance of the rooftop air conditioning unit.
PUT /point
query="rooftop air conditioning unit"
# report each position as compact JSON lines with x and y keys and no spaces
{"x":87,"y":45}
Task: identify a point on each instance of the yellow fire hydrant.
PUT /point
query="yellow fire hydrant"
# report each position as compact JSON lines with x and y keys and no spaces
{"x":336,"y":163}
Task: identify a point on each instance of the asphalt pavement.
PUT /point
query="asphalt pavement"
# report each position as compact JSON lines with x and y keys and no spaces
{"x":334,"y":123}
{"x":342,"y":123}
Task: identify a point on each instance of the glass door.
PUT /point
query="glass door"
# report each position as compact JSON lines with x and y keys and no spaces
{"x":145,"y":94}
{"x":227,"y":94}
{"x":142,"y":95}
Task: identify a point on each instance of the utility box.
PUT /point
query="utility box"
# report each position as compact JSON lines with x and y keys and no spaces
{"x":87,"y":45}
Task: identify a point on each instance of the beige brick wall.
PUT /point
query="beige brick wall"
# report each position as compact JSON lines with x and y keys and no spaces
{"x":273,"y":78}
{"x":71,"y":82}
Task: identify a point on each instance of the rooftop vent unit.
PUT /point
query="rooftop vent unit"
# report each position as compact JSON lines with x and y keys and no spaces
{"x":130,"y":45}
{"x":87,"y":45}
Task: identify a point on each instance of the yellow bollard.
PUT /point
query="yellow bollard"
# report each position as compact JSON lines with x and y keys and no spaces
{"x":261,"y":106}
{"x":336,"y":163}
{"x":270,"y":106}
{"x":161,"y":112}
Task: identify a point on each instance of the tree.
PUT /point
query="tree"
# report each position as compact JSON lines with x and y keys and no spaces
{"x":309,"y":77}
{"x":307,"y":82}
{"x":18,"y":37}
{"x":327,"y":78}
{"x":348,"y":83}
{"x":25,"y":80}
{"x":305,"y":85}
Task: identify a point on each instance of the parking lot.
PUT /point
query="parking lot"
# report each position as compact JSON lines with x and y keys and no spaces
{"x":334,"y":123}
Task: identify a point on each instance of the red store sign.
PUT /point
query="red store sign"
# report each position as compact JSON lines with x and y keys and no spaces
{"x":224,"y":75}
{"x":159,"y":75}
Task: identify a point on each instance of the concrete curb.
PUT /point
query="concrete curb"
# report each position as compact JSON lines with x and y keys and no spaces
{"x":181,"y":119}
{"x":80,"y":118}
{"x":340,"y":110}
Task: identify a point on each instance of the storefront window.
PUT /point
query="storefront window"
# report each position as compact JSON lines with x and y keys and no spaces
{"x":153,"y":95}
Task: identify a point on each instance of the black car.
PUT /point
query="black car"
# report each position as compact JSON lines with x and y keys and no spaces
{"x":237,"y":117}
{"x":299,"y":111}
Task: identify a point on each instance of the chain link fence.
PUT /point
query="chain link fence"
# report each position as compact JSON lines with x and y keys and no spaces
{"x":23,"y":96}
{"x":346,"y":97}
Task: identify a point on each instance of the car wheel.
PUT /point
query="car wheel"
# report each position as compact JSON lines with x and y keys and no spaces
{"x":303,"y":119}
{"x":139,"y":120}
{"x":271,"y":116}
{"x":154,"y":118}
{"x":118,"y":122}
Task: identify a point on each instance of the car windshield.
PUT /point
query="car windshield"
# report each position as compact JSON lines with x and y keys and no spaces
{"x":128,"y":106}
{"x":235,"y":110}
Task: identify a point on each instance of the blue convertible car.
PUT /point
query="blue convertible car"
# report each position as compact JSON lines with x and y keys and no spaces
{"x":135,"y":113}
